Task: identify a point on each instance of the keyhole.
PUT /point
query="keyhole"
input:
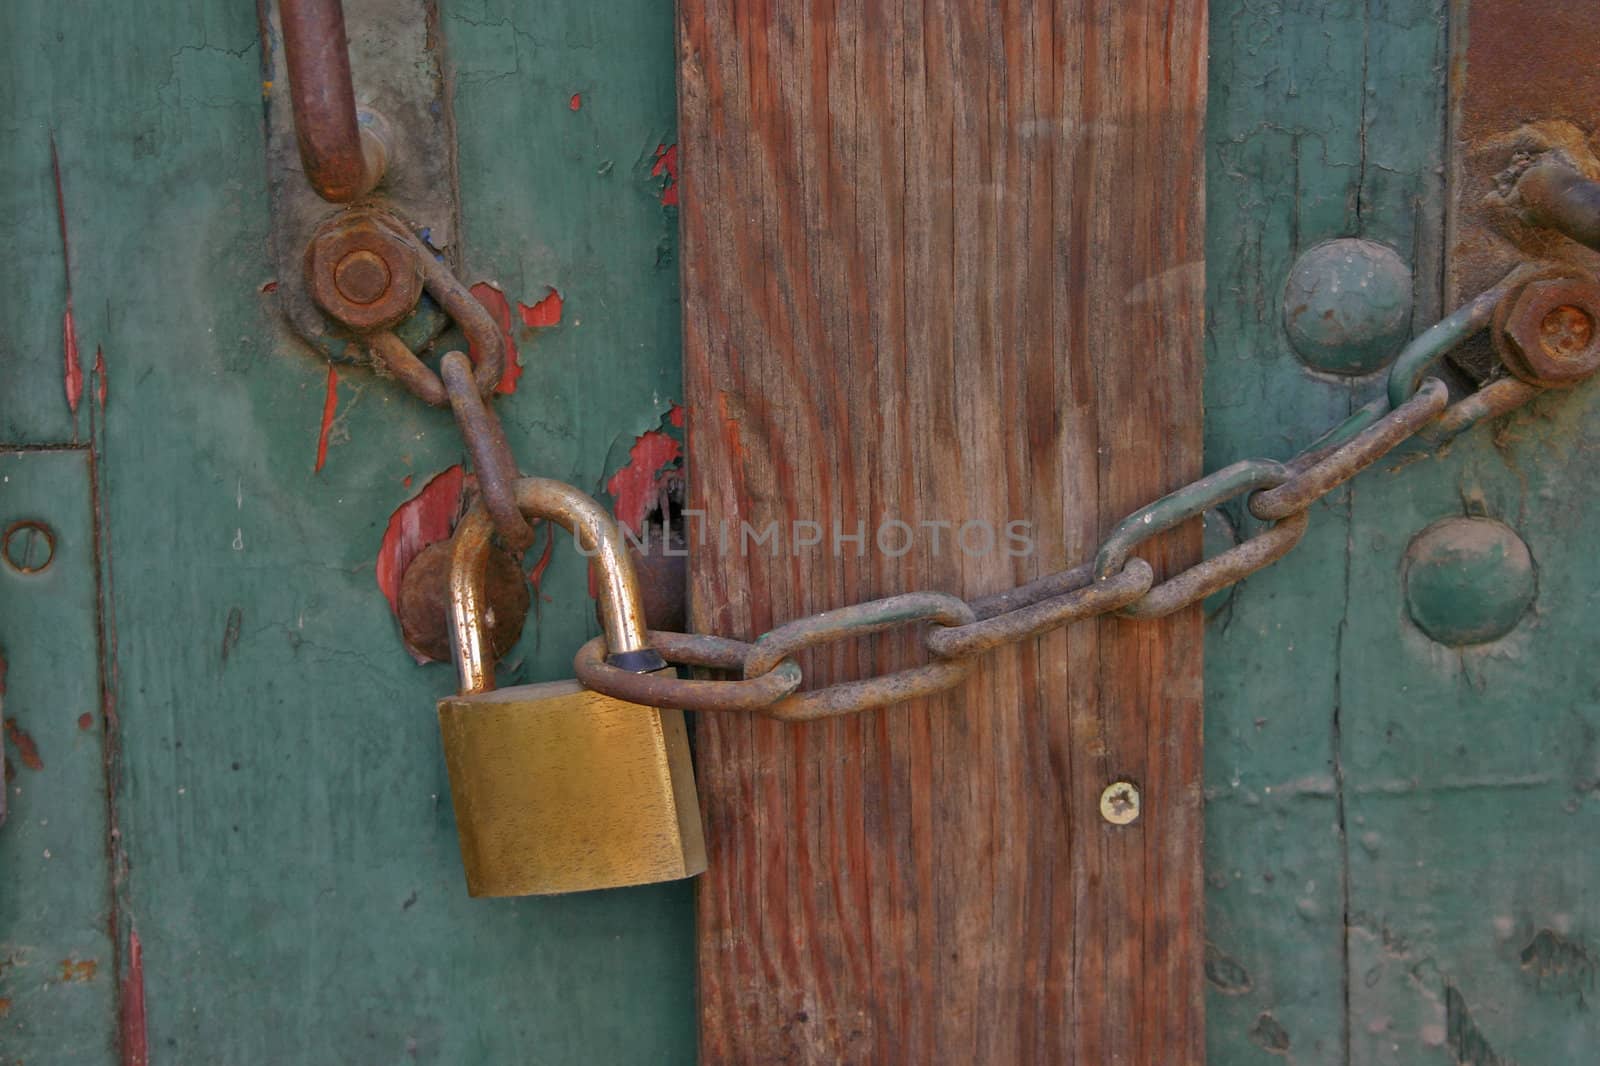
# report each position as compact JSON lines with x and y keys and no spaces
{"x":29,"y":546}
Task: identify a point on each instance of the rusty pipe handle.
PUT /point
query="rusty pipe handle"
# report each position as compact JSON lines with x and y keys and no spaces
{"x":1558,"y":197}
{"x":344,"y":160}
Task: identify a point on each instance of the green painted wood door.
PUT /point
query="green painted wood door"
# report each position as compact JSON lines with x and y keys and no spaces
{"x":227,"y":841}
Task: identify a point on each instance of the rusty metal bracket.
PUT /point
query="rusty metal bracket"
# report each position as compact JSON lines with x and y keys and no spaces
{"x":404,"y":140}
{"x":1524,"y":155}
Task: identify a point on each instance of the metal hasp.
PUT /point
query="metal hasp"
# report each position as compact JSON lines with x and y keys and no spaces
{"x":1523,"y":165}
{"x":344,"y":157}
{"x":334,"y":139}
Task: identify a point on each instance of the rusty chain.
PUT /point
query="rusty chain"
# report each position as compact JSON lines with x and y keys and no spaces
{"x":368,"y":269}
{"x":953,"y":632}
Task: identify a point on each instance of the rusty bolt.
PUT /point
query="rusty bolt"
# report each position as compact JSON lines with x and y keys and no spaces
{"x":1546,"y":331}
{"x":1119,"y":803}
{"x":424,"y":602}
{"x":362,"y":273}
{"x":362,"y":277}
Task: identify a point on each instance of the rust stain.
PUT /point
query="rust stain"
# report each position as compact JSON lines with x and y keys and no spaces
{"x":730,"y":427}
{"x":135,"y":1034}
{"x":499,"y":309}
{"x":330,"y":404}
{"x":5,"y":1007}
{"x":85,"y":721}
{"x":425,"y":518}
{"x":230,"y":631}
{"x":666,"y":165}
{"x":1560,"y":963}
{"x":79,"y":970}
{"x":545,"y":312}
{"x":100,"y":377}
{"x":71,"y":366}
{"x":27,"y":750}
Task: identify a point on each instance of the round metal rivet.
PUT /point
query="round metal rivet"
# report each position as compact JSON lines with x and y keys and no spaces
{"x":1119,"y":803}
{"x":1468,"y":580}
{"x":1347,"y":306}
{"x":29,"y":546}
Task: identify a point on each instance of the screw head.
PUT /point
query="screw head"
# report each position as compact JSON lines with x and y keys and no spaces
{"x":28,"y":546}
{"x":1120,"y":803}
{"x":362,"y":276}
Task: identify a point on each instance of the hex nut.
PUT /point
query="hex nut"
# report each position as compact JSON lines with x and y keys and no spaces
{"x":1548,"y":332}
{"x":361,"y":274}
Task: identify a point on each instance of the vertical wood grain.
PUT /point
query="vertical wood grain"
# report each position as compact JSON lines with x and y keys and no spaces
{"x":943,"y":263}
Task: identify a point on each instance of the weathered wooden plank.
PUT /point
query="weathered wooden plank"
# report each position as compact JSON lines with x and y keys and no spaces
{"x":287,"y":852}
{"x":57,"y":962}
{"x":942,"y":264}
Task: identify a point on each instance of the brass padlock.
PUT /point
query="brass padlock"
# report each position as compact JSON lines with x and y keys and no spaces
{"x":557,"y":788}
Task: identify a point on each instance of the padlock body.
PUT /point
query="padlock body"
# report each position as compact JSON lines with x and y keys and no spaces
{"x":560,"y":789}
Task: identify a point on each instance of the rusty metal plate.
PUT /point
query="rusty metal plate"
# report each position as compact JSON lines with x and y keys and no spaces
{"x":394,"y":57}
{"x":1523,"y":81}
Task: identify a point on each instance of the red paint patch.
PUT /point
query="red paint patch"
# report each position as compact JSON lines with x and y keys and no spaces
{"x":638,"y":486}
{"x":85,"y":721}
{"x":269,"y":286}
{"x":576,"y":101}
{"x":73,"y":370}
{"x":406,"y":481}
{"x":666,"y":163}
{"x":27,"y":750}
{"x":330,"y":404}
{"x":135,"y":1034}
{"x":675,"y":416}
{"x":427,"y":517}
{"x":547,"y":312}
{"x":100,"y":377}
{"x":495,"y":302}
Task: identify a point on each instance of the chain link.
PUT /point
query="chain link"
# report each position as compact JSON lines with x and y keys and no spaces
{"x":1115,"y":582}
{"x":461,"y":383}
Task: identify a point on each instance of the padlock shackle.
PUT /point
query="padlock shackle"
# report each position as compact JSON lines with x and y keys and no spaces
{"x":597,"y":534}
